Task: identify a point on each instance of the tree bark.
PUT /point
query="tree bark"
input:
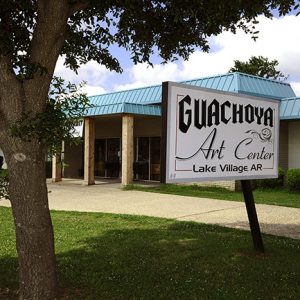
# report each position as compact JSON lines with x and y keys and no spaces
{"x":34,"y":231}
{"x":26,"y":160}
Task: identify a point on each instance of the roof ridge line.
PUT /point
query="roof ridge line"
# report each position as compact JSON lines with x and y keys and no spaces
{"x":206,"y":77}
{"x":261,"y":78}
{"x":291,"y":98}
{"x":129,"y":90}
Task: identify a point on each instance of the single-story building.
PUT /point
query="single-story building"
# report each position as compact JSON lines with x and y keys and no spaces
{"x":122,"y":131}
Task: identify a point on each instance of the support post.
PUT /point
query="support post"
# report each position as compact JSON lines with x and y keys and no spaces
{"x":62,"y":159}
{"x":252,"y":216}
{"x":56,"y":167}
{"x":89,"y":151}
{"x":127,"y":149}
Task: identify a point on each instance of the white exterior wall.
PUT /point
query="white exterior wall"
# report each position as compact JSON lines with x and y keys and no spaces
{"x":294,"y":145}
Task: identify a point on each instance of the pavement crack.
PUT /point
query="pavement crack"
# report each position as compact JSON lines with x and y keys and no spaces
{"x":207,"y":212}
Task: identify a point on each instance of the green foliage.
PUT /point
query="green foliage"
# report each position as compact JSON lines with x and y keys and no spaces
{"x":293,"y":179}
{"x":272,"y":183}
{"x":3,"y":184}
{"x":65,"y":108}
{"x":259,"y":66}
{"x":170,"y":28}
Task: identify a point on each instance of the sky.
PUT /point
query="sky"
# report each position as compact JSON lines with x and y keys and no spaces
{"x":278,"y":39}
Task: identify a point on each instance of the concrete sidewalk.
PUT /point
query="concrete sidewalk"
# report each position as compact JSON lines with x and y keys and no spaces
{"x":72,"y":196}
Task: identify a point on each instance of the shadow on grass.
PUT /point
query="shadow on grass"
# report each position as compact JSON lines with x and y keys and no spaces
{"x":183,"y":261}
{"x":8,"y":277}
{"x":168,"y":260}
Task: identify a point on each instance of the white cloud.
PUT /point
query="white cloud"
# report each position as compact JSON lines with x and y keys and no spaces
{"x":279,"y":39}
{"x":92,"y":72}
{"x":141,"y":75}
{"x":93,"y":90}
{"x":296,"y":88}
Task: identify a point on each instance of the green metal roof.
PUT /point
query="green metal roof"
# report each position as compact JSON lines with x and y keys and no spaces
{"x":246,"y":84}
{"x":290,"y":109}
{"x":136,"y":101}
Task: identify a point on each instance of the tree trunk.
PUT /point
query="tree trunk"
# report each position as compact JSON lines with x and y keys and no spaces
{"x":34,"y":231}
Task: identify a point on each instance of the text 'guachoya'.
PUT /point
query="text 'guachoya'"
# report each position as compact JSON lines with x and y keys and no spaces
{"x":202,"y":115}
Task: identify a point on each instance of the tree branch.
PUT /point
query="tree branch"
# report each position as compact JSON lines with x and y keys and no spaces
{"x":78,"y":6}
{"x":47,"y":42}
{"x":11,"y":102}
{"x":49,"y":32}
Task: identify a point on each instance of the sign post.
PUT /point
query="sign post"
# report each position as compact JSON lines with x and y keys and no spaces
{"x":214,"y":135}
{"x":252,"y":216}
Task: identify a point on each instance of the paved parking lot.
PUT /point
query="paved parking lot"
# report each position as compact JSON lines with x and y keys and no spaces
{"x":71,"y":195}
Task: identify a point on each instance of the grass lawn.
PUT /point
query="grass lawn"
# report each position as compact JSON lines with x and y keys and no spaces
{"x":104,"y":256}
{"x":273,"y":197}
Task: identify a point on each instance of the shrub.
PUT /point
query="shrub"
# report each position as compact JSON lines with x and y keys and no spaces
{"x":4,"y":184}
{"x":293,"y":179}
{"x":273,"y":182}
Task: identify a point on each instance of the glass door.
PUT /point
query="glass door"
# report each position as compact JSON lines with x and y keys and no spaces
{"x":155,"y":158}
{"x":100,"y":157}
{"x":141,"y":166}
{"x":112,"y":165}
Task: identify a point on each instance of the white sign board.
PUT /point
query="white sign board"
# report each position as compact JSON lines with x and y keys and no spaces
{"x":78,"y":130}
{"x":214,"y":135}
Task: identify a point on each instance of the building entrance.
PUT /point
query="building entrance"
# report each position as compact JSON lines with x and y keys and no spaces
{"x":147,"y":158}
{"x":108,"y":157}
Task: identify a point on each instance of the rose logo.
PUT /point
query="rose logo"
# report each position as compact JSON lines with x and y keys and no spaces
{"x":265,"y":134}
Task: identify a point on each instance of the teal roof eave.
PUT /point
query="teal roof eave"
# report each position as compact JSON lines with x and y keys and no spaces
{"x":138,"y":109}
{"x":290,"y":118}
{"x":290,"y":108}
{"x":291,"y":98}
{"x":131,"y":95}
{"x":128,"y":108}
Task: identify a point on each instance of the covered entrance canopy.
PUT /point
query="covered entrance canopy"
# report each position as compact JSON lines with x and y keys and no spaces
{"x":122,"y":130}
